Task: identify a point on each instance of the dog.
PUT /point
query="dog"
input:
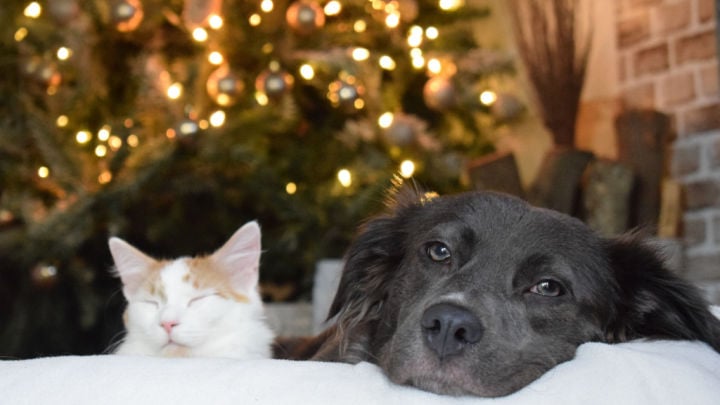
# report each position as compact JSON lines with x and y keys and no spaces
{"x":481,"y":293}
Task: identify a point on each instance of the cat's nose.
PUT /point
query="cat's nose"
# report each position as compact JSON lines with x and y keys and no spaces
{"x":448,"y":329}
{"x":168,"y":325}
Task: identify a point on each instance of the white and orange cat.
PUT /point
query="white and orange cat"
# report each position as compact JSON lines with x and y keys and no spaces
{"x":206,"y":306}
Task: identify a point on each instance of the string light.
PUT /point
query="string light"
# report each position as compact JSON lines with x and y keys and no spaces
{"x":203,"y":124}
{"x":20,"y":34}
{"x":174,"y":91}
{"x":105,"y":177}
{"x":83,"y":137}
{"x":385,"y":120}
{"x":215,"y":58}
{"x":215,"y":21}
{"x":450,"y":5}
{"x":432,"y":33}
{"x":104,"y":133}
{"x":360,"y":54}
{"x":115,"y":142}
{"x":43,"y":172}
{"x":62,"y":121}
{"x":170,"y":133}
{"x":434,"y":66}
{"x":255,"y":20}
{"x":344,"y":177}
{"x":217,"y":119}
{"x":133,"y":141}
{"x":261,"y":98}
{"x":407,"y":168}
{"x":332,"y":8}
{"x":267,"y":6}
{"x":64,"y":53}
{"x":100,"y":150}
{"x":387,"y":63}
{"x":392,"y":20}
{"x":200,"y":34}
{"x":33,"y":10}
{"x":291,"y":188}
{"x":307,"y":72}
{"x":415,"y":36}
{"x":360,"y":26}
{"x":488,"y":97}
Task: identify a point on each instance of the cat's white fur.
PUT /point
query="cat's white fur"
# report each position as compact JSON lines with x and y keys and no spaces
{"x":199,"y":307}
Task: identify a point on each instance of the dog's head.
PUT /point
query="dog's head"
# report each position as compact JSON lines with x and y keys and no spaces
{"x":480,"y":293}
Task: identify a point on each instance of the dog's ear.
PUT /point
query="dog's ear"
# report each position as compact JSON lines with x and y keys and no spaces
{"x":654,"y":302}
{"x":369,"y":263}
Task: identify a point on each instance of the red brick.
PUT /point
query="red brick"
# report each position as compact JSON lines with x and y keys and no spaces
{"x":696,"y":47}
{"x":685,"y":160}
{"x":701,"y":119}
{"x":709,"y":80}
{"x":651,"y":60}
{"x":678,"y":89}
{"x":633,"y":30}
{"x":703,"y":267}
{"x":694,"y":232}
{"x":702,"y":194}
{"x":641,"y":96}
{"x":706,"y":10}
{"x":673,"y":16}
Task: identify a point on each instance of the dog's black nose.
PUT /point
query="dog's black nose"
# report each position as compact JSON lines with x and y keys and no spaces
{"x":448,"y":329}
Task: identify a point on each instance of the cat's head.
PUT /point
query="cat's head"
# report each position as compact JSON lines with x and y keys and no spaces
{"x":184,"y":304}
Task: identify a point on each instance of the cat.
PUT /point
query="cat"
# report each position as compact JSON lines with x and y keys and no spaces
{"x":206,"y":306}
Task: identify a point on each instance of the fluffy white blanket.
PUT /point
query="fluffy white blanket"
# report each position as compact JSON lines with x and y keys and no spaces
{"x":660,"y":372}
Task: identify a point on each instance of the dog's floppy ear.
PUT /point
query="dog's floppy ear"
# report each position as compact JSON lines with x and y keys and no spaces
{"x":653,"y":301}
{"x":369,"y":263}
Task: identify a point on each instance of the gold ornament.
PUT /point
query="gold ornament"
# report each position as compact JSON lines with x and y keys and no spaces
{"x":439,"y":93}
{"x":344,"y":94}
{"x":224,"y":86}
{"x":126,"y":14}
{"x":274,"y":83}
{"x":305,"y":16}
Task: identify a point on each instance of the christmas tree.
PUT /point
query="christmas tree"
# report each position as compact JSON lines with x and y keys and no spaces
{"x":170,"y":123}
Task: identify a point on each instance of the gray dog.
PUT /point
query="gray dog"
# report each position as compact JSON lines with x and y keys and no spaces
{"x":481,"y":293}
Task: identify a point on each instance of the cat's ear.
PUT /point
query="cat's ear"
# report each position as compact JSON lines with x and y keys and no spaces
{"x":130,"y":264}
{"x":240,"y":257}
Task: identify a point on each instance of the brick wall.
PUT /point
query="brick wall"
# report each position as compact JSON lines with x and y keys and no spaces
{"x":668,"y":61}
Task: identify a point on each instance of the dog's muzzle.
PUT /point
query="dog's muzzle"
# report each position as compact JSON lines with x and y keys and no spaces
{"x":448,"y":329}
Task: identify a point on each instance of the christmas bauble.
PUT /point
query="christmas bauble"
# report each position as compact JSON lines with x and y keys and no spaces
{"x":305,"y":16}
{"x":344,"y":94}
{"x":439,"y":93}
{"x":63,"y":11}
{"x":401,"y":132}
{"x":43,"y":71}
{"x":44,"y":275}
{"x":506,"y":107}
{"x":126,"y":14}
{"x":197,"y":12}
{"x":274,"y":83}
{"x":224,"y":86}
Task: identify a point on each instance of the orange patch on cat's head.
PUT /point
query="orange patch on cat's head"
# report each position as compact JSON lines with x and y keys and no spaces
{"x":205,"y":273}
{"x":152,"y":282}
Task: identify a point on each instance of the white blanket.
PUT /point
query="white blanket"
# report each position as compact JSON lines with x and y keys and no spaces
{"x":661,"y":372}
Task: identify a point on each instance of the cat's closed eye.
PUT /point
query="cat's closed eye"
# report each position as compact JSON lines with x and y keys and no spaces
{"x":199,"y":298}
{"x":154,"y":303}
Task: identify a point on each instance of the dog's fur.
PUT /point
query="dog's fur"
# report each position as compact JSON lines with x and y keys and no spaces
{"x":481,"y":293}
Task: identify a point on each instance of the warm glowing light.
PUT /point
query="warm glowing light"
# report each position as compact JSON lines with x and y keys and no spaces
{"x":488,"y":97}
{"x":170,"y":133}
{"x":43,"y":172}
{"x":105,"y":177}
{"x":418,"y":62}
{"x":217,"y":119}
{"x":268,"y":48}
{"x":128,"y":123}
{"x":203,"y":124}
{"x":215,"y":58}
{"x":100,"y":150}
{"x":415,"y":31}
{"x":267,"y":5}
{"x":291,"y":188}
{"x":432,"y":33}
{"x":386,"y":119}
{"x":255,"y":20}
{"x":64,"y":53}
{"x":407,"y":168}
{"x":451,"y":5}
{"x":360,"y":54}
{"x":307,"y":72}
{"x":62,"y":121}
{"x":359,"y":104}
{"x":133,"y":140}
{"x":261,"y":98}
{"x":344,"y":177}
{"x":215,"y":21}
{"x":83,"y":137}
{"x":360,"y":26}
{"x":434,"y":66}
{"x":20,"y":34}
{"x":416,"y":53}
{"x":333,"y":7}
{"x":33,"y":10}
{"x":104,"y":133}
{"x":200,"y":34}
{"x":175,"y":91}
{"x":392,"y":20}
{"x":378,"y":4}
{"x":387,"y":63}
{"x":115,"y":142}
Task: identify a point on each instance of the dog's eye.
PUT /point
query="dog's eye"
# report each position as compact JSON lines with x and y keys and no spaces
{"x":438,"y":252}
{"x":548,"y":288}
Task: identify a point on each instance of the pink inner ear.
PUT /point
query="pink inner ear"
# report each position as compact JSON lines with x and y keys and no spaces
{"x":240,"y":257}
{"x":130,"y":263}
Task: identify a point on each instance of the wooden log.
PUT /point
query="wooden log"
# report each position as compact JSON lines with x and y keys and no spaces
{"x":606,"y":197}
{"x":557,"y":185}
{"x":496,"y":172}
